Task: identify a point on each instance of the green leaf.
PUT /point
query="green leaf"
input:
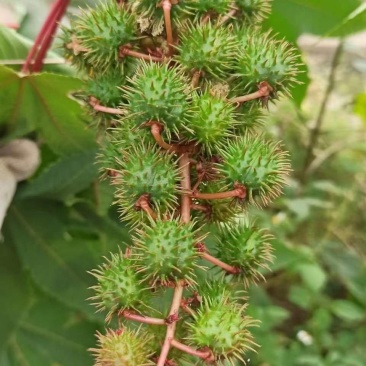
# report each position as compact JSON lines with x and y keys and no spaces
{"x":51,"y":334}
{"x":40,"y":102}
{"x":14,"y":49}
{"x":15,"y":293}
{"x":291,"y":18}
{"x":353,"y":23}
{"x":301,"y":296}
{"x":313,"y":276}
{"x":348,"y":310}
{"x":57,"y":262}
{"x":65,"y":177}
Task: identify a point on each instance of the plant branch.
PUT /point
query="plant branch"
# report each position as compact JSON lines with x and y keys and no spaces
{"x":126,"y":51}
{"x":43,"y":40}
{"x":227,"y":267}
{"x":239,"y":192}
{"x":184,"y":165}
{"x":174,"y":310}
{"x":167,"y":8}
{"x":141,"y":318}
{"x":264,"y":91}
{"x":315,"y":132}
{"x":229,"y":15}
{"x":101,"y":108}
{"x":205,"y":355}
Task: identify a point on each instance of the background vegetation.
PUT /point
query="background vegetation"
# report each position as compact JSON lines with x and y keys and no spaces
{"x":312,"y":306}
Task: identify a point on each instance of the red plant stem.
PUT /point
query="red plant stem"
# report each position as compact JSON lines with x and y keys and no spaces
{"x":239,"y":192}
{"x":205,"y":355}
{"x":167,"y":8}
{"x":174,"y":309}
{"x":217,"y":262}
{"x":196,"y":78}
{"x":156,"y":132}
{"x":44,"y":38}
{"x":184,"y":165}
{"x":229,"y":15}
{"x":264,"y":91}
{"x":142,"y":319}
{"x":125,"y":51}
{"x":102,"y":108}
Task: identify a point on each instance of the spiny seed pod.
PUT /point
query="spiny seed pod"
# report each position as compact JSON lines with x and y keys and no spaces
{"x":246,"y":248}
{"x":250,"y":117}
{"x":204,"y":7}
{"x":99,"y":34}
{"x":123,"y":347}
{"x":223,"y":328}
{"x":265,"y":59}
{"x":261,"y":166}
{"x":159,"y":93}
{"x":212,"y":120}
{"x":254,"y":11}
{"x":208,"y":49}
{"x":118,"y":287}
{"x":143,"y":171}
{"x":166,"y":251}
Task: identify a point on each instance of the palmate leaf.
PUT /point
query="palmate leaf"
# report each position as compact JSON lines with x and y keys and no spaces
{"x":15,"y":293}
{"x":56,"y":257}
{"x":40,"y":103}
{"x":65,"y":177}
{"x":291,"y":18}
{"x":50,"y":334}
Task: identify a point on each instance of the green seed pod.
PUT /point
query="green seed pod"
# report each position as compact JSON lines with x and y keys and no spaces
{"x":245,"y":247}
{"x":98,"y":35}
{"x":262,"y":58}
{"x":259,"y":165}
{"x":106,"y":87}
{"x":166,"y":251}
{"x":211,"y":7}
{"x":159,"y":92}
{"x":223,"y":328}
{"x":123,"y":347}
{"x":250,"y":116}
{"x":254,"y":11}
{"x":212,"y":120}
{"x":143,"y":170}
{"x":118,"y":287}
{"x":207,"y":48}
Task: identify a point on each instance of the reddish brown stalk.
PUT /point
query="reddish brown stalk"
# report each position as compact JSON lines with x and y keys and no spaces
{"x":141,"y":318}
{"x":186,"y":186}
{"x":101,"y":108}
{"x":263,"y":93}
{"x":229,"y":15}
{"x":174,"y":310}
{"x":156,"y":132}
{"x":44,"y":38}
{"x":205,"y":355}
{"x":227,"y":267}
{"x":178,"y":292}
{"x":126,"y":51}
{"x":239,"y":192}
{"x":144,"y":204}
{"x":167,"y":8}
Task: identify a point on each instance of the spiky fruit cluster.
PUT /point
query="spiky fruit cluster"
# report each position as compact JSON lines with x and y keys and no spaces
{"x":182,"y":84}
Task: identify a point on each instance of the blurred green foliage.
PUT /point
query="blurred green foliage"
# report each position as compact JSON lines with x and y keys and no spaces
{"x":312,"y":306}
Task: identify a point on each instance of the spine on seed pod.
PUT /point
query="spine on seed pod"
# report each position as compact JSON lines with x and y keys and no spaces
{"x":177,"y":90}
